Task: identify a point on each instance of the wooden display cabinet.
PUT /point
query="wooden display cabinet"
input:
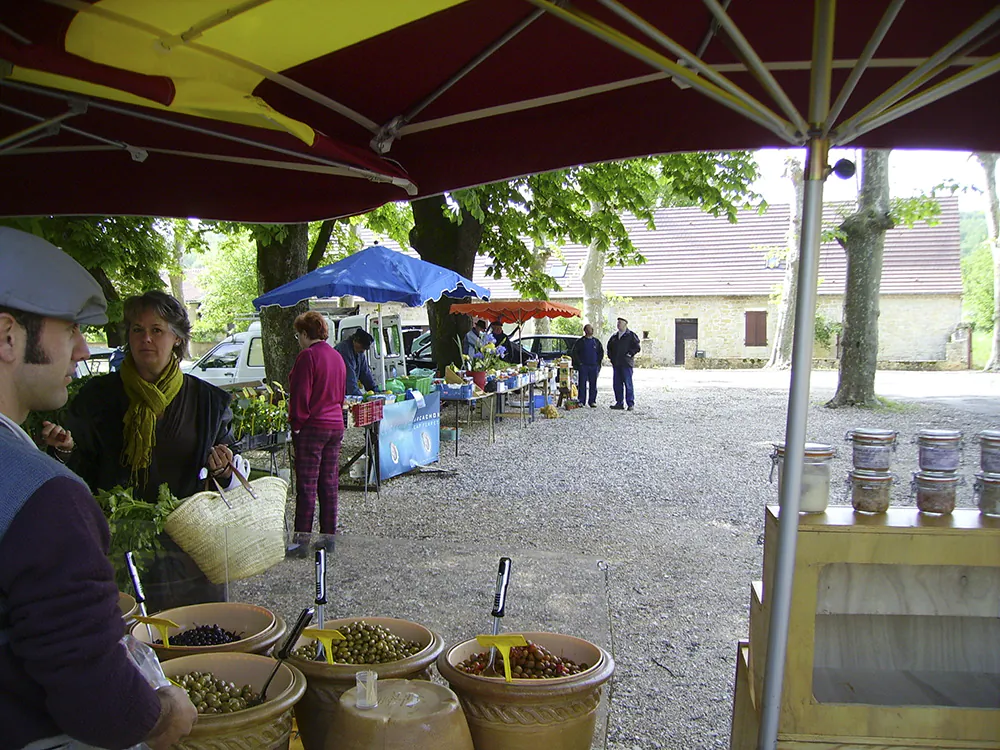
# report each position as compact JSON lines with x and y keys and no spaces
{"x":894,"y":634}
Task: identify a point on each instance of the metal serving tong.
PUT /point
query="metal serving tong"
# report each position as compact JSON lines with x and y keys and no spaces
{"x":320,"y":597}
{"x":140,"y":596}
{"x":286,"y":650}
{"x":499,"y":604}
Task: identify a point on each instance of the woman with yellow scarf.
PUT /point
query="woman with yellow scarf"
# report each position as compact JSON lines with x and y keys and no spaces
{"x":147,"y":425}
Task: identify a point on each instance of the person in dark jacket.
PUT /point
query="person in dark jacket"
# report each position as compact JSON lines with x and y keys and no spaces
{"x":353,"y":350}
{"x":587,"y":354}
{"x":147,"y":425}
{"x":64,"y":675}
{"x":622,"y":348}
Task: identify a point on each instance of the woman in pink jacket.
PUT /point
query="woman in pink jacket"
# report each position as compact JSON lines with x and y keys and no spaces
{"x":316,"y":413}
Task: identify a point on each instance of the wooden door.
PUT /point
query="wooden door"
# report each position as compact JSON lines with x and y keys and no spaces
{"x":684,"y":328}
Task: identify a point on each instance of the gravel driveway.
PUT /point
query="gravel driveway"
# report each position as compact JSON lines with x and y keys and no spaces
{"x":670,"y":498}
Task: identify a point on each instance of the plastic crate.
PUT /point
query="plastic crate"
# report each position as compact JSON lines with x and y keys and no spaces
{"x":368,"y":412}
{"x":424,"y":385}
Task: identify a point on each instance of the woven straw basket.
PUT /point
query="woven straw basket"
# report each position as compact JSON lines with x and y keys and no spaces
{"x":237,"y":542}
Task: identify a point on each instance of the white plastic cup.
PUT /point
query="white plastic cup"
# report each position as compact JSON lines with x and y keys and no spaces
{"x":367,"y":689}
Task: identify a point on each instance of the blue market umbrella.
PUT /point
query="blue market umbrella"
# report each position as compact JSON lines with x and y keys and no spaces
{"x":377,"y":274}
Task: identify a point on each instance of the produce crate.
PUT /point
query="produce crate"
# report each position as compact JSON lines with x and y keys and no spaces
{"x":424,"y":385}
{"x":367,"y":412}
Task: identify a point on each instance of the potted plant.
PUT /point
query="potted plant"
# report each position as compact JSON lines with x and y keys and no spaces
{"x":487,"y":358}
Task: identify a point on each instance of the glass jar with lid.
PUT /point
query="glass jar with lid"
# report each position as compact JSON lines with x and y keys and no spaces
{"x":815,"y":494}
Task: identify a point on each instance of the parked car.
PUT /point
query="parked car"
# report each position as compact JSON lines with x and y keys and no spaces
{"x":547,"y":346}
{"x":99,"y":362}
{"x":238,"y":360}
{"x":411,"y":334}
{"x":418,"y":354}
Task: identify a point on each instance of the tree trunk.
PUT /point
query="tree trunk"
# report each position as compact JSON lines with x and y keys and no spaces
{"x":542,"y":253}
{"x":439,"y":240}
{"x":592,"y":276}
{"x":113,"y":330}
{"x":319,"y":249}
{"x":781,"y":351}
{"x":989,"y":164}
{"x":278,"y":262}
{"x":864,"y":240}
{"x":176,"y":272}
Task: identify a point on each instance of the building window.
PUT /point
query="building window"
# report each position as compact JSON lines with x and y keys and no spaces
{"x":756,"y":328}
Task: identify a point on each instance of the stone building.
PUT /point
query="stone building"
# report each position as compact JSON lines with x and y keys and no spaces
{"x":716,"y":282}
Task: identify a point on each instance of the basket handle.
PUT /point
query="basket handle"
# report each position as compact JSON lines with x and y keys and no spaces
{"x":222,"y":492}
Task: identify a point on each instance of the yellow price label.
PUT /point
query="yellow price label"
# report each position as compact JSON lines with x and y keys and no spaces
{"x":326,"y":637}
{"x":161,"y":624}
{"x":503,"y":644}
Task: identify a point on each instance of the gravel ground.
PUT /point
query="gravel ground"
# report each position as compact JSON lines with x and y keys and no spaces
{"x":646,"y":527}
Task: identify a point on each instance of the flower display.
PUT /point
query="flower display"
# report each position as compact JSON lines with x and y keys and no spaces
{"x":488,"y":356}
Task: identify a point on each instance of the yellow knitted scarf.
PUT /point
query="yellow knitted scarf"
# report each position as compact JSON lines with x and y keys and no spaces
{"x":146,"y":402}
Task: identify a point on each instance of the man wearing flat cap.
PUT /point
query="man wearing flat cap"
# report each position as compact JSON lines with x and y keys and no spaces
{"x":622,"y":348}
{"x":64,"y":676}
{"x":359,"y":374}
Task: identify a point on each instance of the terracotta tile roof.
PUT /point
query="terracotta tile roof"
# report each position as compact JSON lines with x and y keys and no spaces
{"x":694,"y":254}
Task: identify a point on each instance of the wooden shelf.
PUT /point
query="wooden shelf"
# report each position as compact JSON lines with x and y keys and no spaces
{"x":893,"y":634}
{"x":907,"y":688}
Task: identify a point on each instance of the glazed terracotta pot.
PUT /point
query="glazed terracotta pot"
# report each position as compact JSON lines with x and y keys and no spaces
{"x":553,"y":714}
{"x":261,"y":629}
{"x":327,"y":682}
{"x":410,"y":715}
{"x":264,"y":727}
{"x":129,"y":609}
{"x":479,"y":378}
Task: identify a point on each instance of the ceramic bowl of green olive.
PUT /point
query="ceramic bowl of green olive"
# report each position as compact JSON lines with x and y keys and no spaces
{"x":224,"y":687}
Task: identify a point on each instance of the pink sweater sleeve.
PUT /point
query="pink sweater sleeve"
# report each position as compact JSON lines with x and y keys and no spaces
{"x":300,"y":385}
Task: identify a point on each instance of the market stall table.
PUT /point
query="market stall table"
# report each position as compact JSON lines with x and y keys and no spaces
{"x":470,"y":401}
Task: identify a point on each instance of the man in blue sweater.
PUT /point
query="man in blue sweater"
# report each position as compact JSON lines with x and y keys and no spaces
{"x":64,"y":674}
{"x":587,"y":354}
{"x":354,"y":350}
{"x":622,"y":348}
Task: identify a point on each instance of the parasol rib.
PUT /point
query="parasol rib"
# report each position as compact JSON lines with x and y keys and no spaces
{"x":773,"y":122}
{"x":915,"y":78}
{"x":756,"y":65}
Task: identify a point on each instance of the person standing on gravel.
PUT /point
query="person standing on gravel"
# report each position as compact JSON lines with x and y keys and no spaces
{"x":587,"y":354}
{"x":64,"y":674}
{"x":622,"y":348}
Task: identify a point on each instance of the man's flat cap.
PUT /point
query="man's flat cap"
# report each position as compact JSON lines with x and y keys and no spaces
{"x":38,"y":277}
{"x":363,"y":337}
{"x":623,"y":321}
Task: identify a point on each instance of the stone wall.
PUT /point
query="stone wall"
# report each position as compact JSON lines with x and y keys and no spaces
{"x":912,"y":327}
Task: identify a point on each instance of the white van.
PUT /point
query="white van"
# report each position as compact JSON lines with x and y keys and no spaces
{"x":238,"y":360}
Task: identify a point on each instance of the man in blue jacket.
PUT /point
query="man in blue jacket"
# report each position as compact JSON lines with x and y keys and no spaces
{"x":355,"y":353}
{"x":587,"y":354}
{"x":622,"y":348}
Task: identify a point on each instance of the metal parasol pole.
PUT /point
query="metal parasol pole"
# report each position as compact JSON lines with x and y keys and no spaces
{"x":779,"y":594}
{"x":381,"y":345}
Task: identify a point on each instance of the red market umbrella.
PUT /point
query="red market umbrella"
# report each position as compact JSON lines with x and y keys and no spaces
{"x":516,"y":311}
{"x":272,"y":110}
{"x":278,"y":110}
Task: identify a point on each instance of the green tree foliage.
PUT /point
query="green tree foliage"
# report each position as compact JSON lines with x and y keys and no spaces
{"x":229,"y":281}
{"x":586,"y":205}
{"x":567,"y":326}
{"x":124,"y":253}
{"x":972,"y":226}
{"x":977,"y":287}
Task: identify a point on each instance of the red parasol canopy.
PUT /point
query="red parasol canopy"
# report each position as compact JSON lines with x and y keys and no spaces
{"x":516,"y":311}
{"x":279,"y":110}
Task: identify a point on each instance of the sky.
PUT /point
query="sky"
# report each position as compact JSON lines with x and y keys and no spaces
{"x":910,"y":173}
